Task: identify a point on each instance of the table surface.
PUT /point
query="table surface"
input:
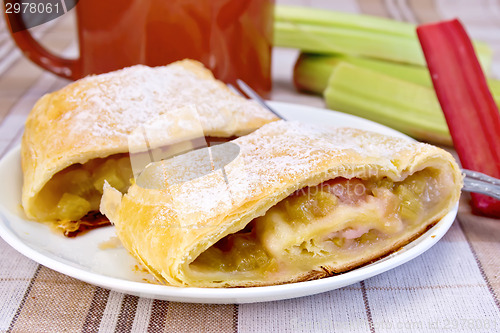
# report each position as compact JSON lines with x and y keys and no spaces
{"x":455,"y":286}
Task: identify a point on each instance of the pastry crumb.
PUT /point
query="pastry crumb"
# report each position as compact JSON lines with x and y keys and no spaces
{"x":111,"y":243}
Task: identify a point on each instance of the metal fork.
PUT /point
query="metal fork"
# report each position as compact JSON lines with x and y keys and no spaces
{"x":473,"y":182}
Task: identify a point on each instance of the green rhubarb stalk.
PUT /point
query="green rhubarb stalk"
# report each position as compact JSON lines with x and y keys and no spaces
{"x":494,"y":86}
{"x":327,"y":40}
{"x":328,"y":18}
{"x":402,"y":105}
{"x":312,"y":71}
{"x":321,"y":31}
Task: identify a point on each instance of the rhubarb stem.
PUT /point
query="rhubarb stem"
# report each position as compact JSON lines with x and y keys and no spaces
{"x":468,"y":105}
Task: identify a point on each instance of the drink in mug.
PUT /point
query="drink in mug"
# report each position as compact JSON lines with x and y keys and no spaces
{"x":233,"y":38}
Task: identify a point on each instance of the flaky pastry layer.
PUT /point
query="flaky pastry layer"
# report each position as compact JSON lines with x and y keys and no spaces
{"x":169,"y":227}
{"x":93,"y":117}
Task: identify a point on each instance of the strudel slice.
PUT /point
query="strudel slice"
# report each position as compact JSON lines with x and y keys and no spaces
{"x":299,"y":202}
{"x":77,"y":137}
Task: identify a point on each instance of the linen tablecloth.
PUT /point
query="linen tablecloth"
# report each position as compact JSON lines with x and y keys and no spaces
{"x":454,"y":286}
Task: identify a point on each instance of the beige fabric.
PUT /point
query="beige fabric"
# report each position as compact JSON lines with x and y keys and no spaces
{"x":454,"y":287}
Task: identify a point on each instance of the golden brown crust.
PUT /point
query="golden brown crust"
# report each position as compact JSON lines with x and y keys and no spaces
{"x":92,"y":117}
{"x":169,"y":228}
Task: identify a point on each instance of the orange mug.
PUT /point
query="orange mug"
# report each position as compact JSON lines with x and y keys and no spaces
{"x":233,"y":38}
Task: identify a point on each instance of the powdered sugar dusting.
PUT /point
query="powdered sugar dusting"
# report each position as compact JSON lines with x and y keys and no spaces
{"x":114,"y":104}
{"x":278,"y":151}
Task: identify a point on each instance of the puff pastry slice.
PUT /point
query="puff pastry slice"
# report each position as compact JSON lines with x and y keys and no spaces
{"x":77,"y":137}
{"x":299,"y":202}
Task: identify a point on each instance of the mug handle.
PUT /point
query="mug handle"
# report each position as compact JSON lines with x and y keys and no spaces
{"x":66,"y":68}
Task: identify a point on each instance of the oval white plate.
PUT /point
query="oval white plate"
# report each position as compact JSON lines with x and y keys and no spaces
{"x":115,"y":269}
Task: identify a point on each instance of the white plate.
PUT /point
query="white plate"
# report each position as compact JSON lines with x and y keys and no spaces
{"x":115,"y":269}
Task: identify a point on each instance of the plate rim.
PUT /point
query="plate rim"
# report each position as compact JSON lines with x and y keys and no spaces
{"x":236,"y":295}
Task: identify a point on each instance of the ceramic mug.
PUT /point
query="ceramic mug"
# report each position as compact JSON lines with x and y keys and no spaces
{"x":232,"y":38}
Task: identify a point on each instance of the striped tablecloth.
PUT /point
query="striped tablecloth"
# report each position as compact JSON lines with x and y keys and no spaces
{"x":454,"y":287}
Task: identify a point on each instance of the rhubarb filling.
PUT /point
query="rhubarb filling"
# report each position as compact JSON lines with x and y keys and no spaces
{"x":71,"y":198}
{"x":337,"y":223}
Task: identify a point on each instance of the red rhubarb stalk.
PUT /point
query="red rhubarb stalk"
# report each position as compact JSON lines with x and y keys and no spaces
{"x":468,"y":106}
